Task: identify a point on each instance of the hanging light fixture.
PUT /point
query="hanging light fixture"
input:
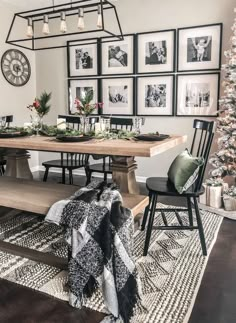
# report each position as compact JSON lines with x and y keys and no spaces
{"x":99,"y":22}
{"x":46,"y":30}
{"x":63,"y":26}
{"x":81,"y":19}
{"x":30,"y":32}
{"x":69,"y":14}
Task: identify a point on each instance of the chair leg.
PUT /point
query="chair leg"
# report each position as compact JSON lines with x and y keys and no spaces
{"x":200,"y":227}
{"x":150,"y":224}
{"x":89,"y":175}
{"x":105,"y":177}
{"x":63,"y":178}
{"x":190,"y":212}
{"x":70,"y":177}
{"x":3,"y":170}
{"x":45,"y":177}
{"x":145,"y":216}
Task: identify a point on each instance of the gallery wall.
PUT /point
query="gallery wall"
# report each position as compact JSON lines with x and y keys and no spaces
{"x":139,"y":16}
{"x":14,"y":100}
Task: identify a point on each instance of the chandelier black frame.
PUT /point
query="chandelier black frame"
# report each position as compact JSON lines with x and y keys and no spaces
{"x":71,"y":9}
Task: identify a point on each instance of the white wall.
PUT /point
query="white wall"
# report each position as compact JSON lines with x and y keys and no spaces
{"x":14,"y":100}
{"x":139,"y":16}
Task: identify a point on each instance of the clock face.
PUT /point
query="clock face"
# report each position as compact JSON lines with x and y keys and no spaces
{"x":15,"y":67}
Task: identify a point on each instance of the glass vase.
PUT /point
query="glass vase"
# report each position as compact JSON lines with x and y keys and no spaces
{"x":84,"y":122}
{"x":37,"y":123}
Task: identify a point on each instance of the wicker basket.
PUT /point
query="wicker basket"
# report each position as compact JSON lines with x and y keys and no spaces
{"x":229,"y":203}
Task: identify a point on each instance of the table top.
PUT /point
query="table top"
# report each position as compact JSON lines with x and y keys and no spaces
{"x":106,"y":147}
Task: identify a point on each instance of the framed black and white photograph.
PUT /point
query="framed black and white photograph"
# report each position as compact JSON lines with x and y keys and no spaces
{"x":156,"y":52}
{"x":118,"y":56}
{"x":82,"y":58}
{"x":199,"y":48}
{"x":198,"y":94}
{"x":117,"y":94}
{"x":155,"y":95}
{"x":78,"y":89}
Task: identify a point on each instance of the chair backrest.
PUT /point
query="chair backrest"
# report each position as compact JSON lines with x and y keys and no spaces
{"x":201,"y":145}
{"x":122,"y":123}
{"x":6,"y":120}
{"x":74,"y":121}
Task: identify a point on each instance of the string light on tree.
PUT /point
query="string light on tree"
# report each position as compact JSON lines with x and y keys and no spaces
{"x":224,"y":160}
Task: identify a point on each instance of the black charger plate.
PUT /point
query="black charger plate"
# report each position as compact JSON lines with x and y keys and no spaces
{"x":149,"y":137}
{"x":73,"y":138}
{"x":13,"y":134}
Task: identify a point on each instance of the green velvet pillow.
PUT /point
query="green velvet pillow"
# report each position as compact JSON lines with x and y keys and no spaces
{"x":184,"y":170}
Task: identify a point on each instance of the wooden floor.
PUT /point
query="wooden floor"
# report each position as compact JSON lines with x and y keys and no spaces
{"x":215,"y":302}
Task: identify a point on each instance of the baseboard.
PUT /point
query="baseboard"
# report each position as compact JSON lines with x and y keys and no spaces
{"x":81,"y":172}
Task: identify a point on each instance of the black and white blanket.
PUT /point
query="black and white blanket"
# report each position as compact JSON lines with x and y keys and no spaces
{"x":99,"y":233}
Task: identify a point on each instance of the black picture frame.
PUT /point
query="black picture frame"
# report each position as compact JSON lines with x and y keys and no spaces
{"x":168,"y":71}
{"x":173,"y":77}
{"x":196,"y":75}
{"x":73,"y":43}
{"x":117,"y":42}
{"x":101,"y":97}
{"x":219,"y":55}
{"x":97,"y":99}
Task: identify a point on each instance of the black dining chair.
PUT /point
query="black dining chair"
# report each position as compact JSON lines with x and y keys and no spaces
{"x":5,"y":121}
{"x":158,"y":186}
{"x":105,"y":167}
{"x":70,"y":161}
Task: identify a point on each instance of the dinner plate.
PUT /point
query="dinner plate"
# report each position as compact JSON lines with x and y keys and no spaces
{"x":149,"y":137}
{"x":73,"y":138}
{"x":13,"y":134}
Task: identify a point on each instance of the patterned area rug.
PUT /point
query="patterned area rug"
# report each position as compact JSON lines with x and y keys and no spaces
{"x":170,"y":274}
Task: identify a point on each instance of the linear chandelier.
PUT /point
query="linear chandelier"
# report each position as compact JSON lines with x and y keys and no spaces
{"x":44,"y":26}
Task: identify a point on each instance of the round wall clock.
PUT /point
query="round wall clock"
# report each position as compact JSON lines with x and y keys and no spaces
{"x":15,"y":67}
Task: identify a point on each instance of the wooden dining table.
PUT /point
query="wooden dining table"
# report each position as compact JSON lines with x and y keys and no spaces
{"x":123,"y":153}
{"x":19,"y":191}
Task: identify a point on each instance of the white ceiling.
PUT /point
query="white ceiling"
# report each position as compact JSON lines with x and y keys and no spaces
{"x":34,"y":4}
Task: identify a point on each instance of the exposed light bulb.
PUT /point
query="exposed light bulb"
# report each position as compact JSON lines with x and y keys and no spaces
{"x":45,"y":30}
{"x":63,"y":26}
{"x":30,"y":32}
{"x":81,"y":19}
{"x":99,"y":22}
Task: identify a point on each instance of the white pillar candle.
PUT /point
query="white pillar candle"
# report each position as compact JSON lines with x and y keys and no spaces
{"x":97,"y":127}
{"x":216,"y":196}
{"x":27,"y":125}
{"x":61,"y":124}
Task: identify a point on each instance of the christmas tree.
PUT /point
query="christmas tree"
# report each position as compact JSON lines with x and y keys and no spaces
{"x":224,"y":160}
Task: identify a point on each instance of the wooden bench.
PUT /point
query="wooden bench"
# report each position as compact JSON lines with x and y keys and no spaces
{"x":37,"y":197}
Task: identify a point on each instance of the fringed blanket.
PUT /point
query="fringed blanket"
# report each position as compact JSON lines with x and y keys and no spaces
{"x":99,"y":233}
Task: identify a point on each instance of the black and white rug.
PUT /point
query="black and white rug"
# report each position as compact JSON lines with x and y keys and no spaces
{"x":171,"y":273}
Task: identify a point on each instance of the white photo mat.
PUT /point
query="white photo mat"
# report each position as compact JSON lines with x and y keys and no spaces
{"x":75,"y":68}
{"x":214,"y":32}
{"x":74,"y":85}
{"x":109,"y":65}
{"x":155,"y":37}
{"x":119,"y":88}
{"x":197,"y":95}
{"x":166,"y":106}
